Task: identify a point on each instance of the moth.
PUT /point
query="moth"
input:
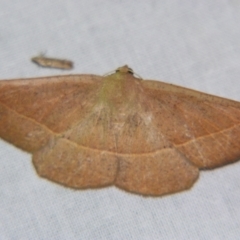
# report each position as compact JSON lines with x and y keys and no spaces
{"x":52,"y":62}
{"x":146,"y":137}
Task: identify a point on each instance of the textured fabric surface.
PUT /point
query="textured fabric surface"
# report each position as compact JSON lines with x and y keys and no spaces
{"x":189,"y":43}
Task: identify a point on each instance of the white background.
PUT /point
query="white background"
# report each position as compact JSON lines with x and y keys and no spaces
{"x":195,"y":44}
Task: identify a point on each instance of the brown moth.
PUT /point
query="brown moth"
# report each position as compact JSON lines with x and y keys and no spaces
{"x":146,"y":137}
{"x":52,"y":62}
